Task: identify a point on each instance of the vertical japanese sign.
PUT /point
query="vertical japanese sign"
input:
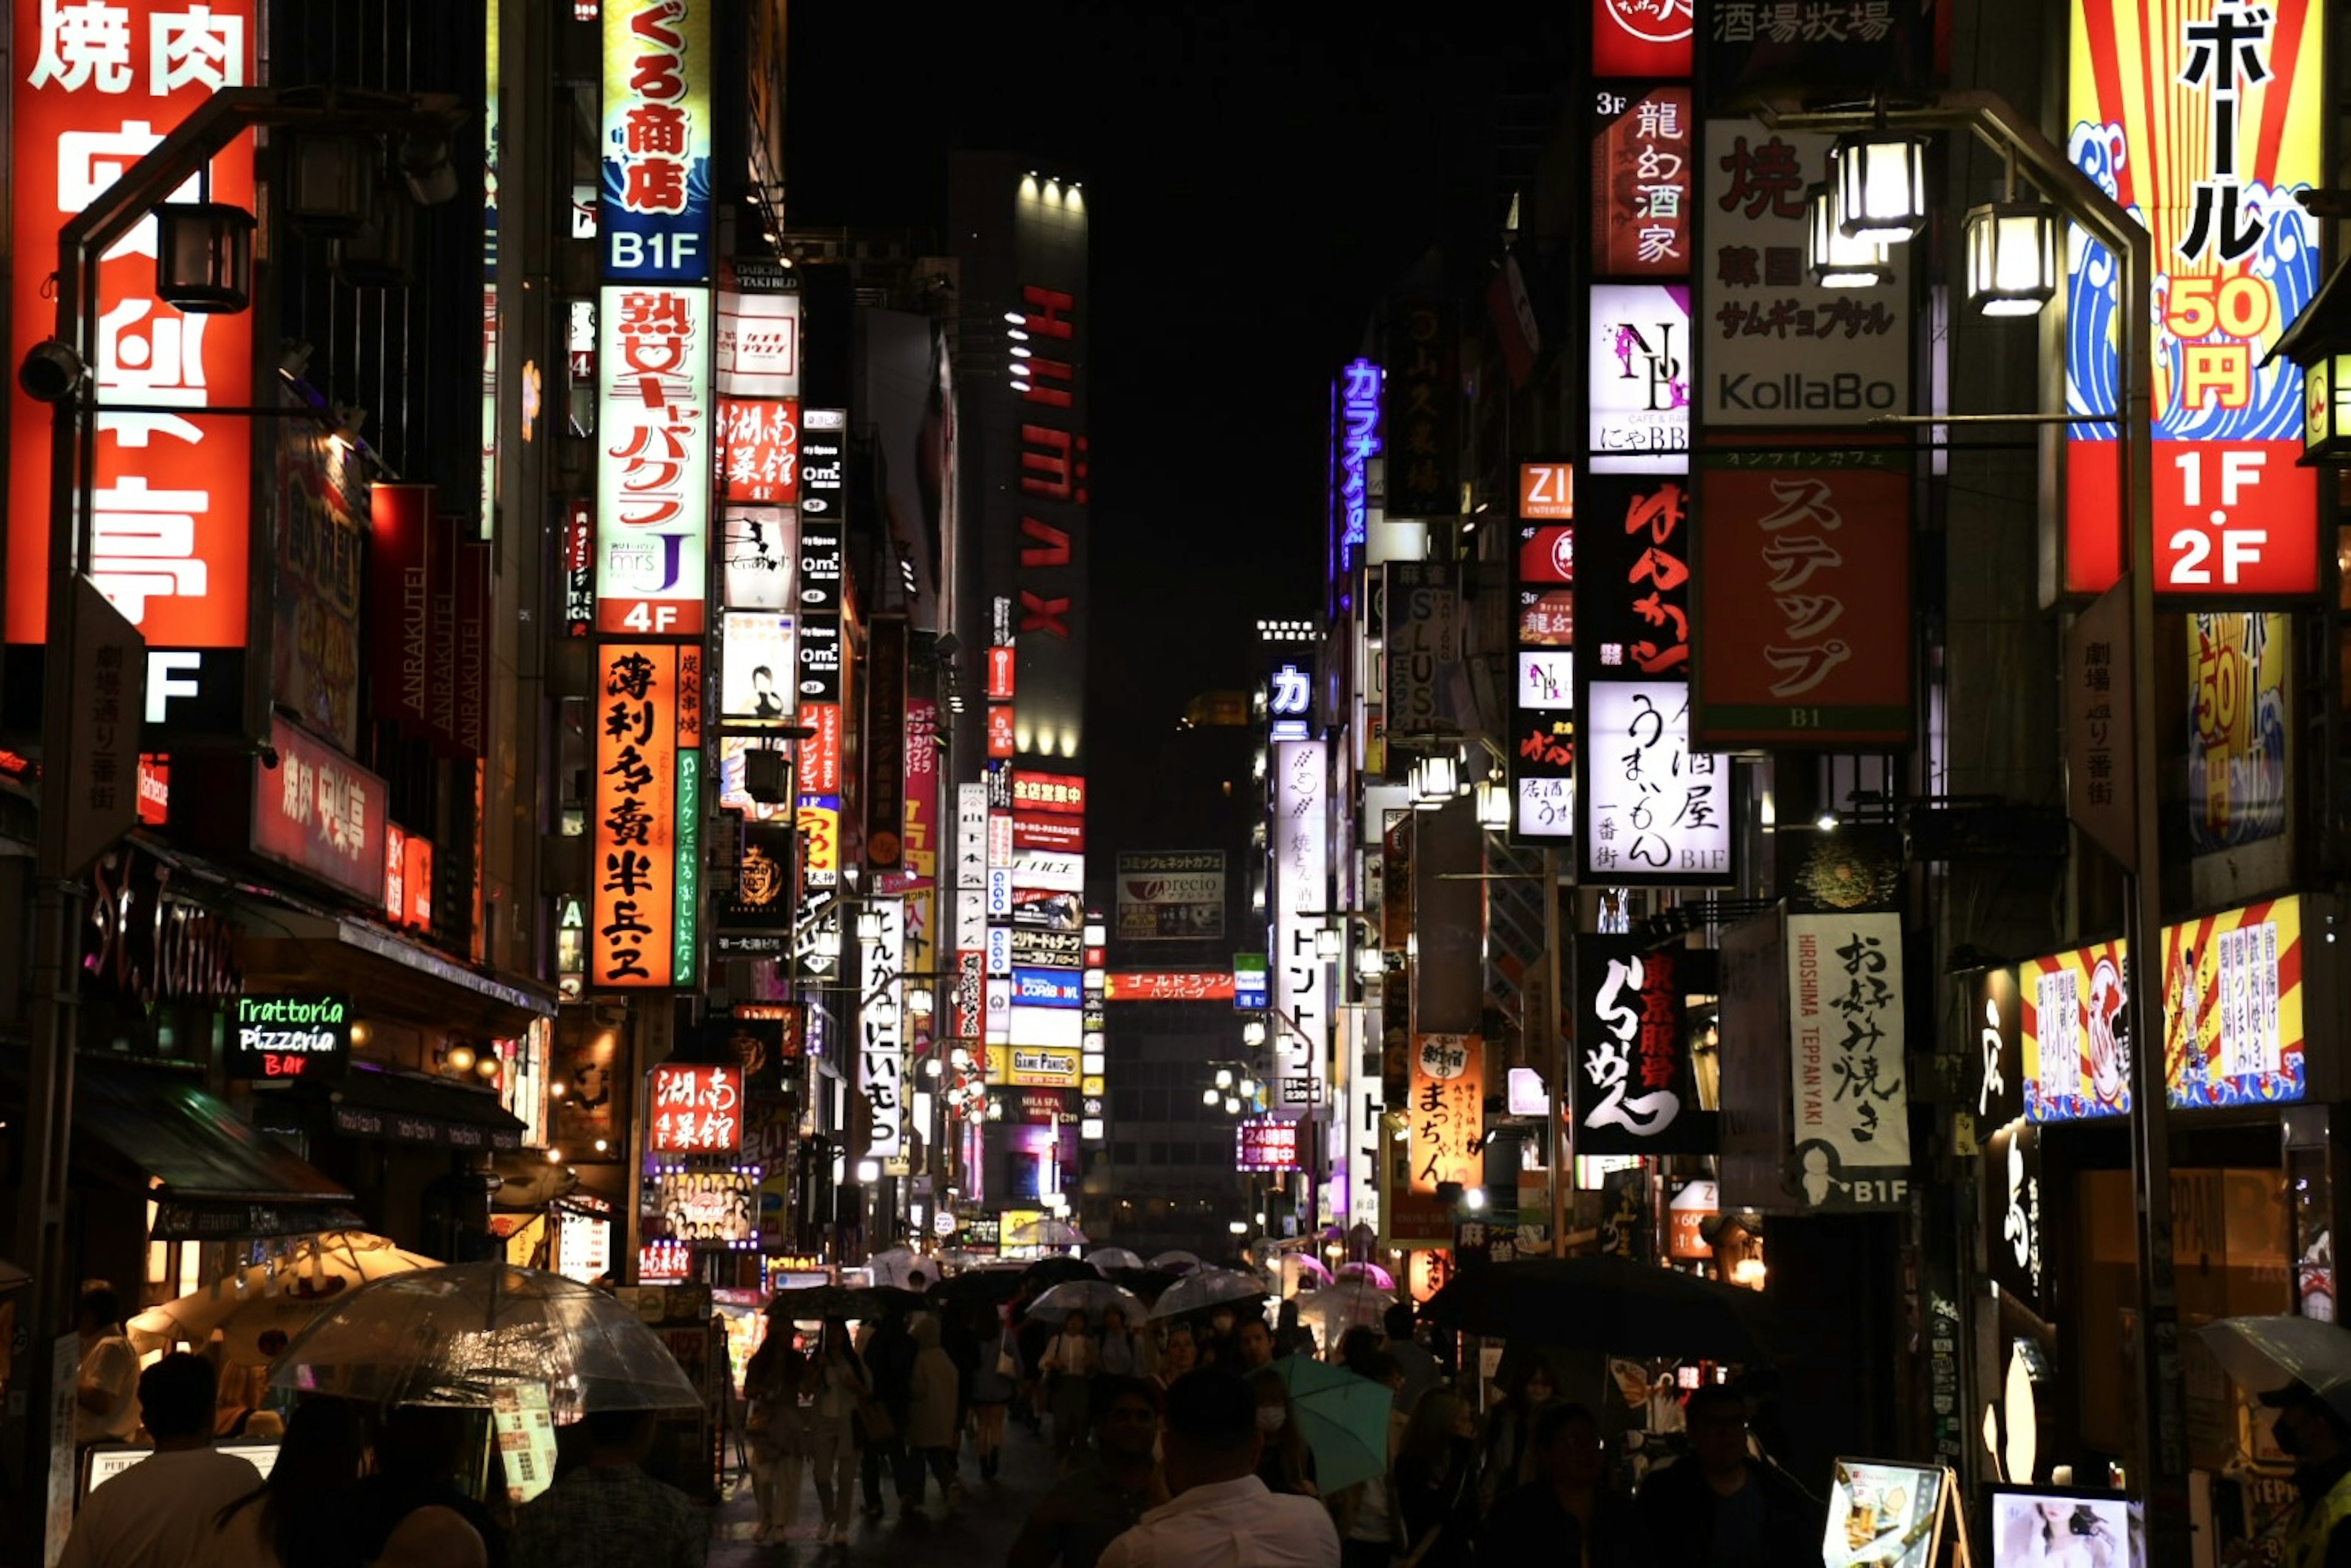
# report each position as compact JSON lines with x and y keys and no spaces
{"x":2237,"y":729}
{"x":1801,"y":600}
{"x":1423,"y":649}
{"x":652,"y":429}
{"x":2204,"y":119}
{"x":1355,"y":438}
{"x":1634,"y":1092}
{"x":1423,"y":409}
{"x":657,"y":205}
{"x":1780,"y":348}
{"x":881,"y":1034}
{"x":648,"y":721}
{"x":823,"y":513}
{"x":1852,"y":1125}
{"x":886,"y":743}
{"x":1542,"y":732}
{"x":579,"y":568}
{"x":1641,"y":179}
{"x":1632,"y":575}
{"x":2232,"y":1008}
{"x":698,"y":1110}
{"x":1448,"y":1129}
{"x":1655,"y":811}
{"x":2101,"y":767}
{"x":97,"y":86}
{"x":1301,"y":891}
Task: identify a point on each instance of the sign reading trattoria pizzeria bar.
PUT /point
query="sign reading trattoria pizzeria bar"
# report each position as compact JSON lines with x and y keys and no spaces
{"x":290,"y":1037}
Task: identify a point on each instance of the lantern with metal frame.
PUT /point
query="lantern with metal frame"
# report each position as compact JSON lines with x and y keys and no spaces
{"x":2319,"y":342}
{"x":1837,"y":259}
{"x":1881,"y":185}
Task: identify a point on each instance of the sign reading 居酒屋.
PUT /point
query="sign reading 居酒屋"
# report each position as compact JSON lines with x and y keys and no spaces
{"x":2204,"y":118}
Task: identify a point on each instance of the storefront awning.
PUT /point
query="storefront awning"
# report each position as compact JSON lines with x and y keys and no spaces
{"x":401,"y":1107}
{"x":386,"y":974}
{"x":216,"y":1177}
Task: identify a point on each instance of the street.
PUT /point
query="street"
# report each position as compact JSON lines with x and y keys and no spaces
{"x":978,"y":1532}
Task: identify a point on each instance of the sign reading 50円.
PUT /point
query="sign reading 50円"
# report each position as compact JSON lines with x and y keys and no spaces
{"x":2204,"y":118}
{"x":656,"y":175}
{"x":653,"y":421}
{"x":99,"y":84}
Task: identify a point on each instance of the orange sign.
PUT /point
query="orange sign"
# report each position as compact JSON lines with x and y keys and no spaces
{"x":1448,"y":1110}
{"x":635,"y":845}
{"x":1546,"y":492}
{"x":96,"y":89}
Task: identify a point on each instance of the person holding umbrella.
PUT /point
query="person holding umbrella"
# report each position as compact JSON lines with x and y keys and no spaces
{"x":995,"y":1379}
{"x":842,"y":1383}
{"x":2319,"y":1441}
{"x":1070,"y":1365}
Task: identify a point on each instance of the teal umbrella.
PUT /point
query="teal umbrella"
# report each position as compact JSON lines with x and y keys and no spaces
{"x":1342,"y":1418}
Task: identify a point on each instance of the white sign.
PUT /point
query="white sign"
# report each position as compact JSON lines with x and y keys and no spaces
{"x":759,"y":345}
{"x":999,"y":891}
{"x":1639,"y":353}
{"x":997,"y":1025}
{"x":1547,"y":808}
{"x":653,"y":440}
{"x":971,"y":836}
{"x":755,"y":681}
{"x":882,"y":1041}
{"x":970,"y":917}
{"x":999,"y":952}
{"x":1547,"y":680}
{"x":1655,"y":811}
{"x":1050,"y":869}
{"x":1844,"y":1009}
{"x":1061,"y":1028}
{"x":1780,"y":349}
{"x":1302,"y":877}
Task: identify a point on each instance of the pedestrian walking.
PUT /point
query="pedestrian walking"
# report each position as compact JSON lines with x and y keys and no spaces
{"x":1437,"y":1479}
{"x":1177,"y":1356}
{"x":994,"y":1381}
{"x":295,"y":1518}
{"x":435,"y":1537}
{"x":1371,"y":1527}
{"x":1119,"y":1353}
{"x":890,"y":1363}
{"x":2319,"y":1441}
{"x":931,"y":1411}
{"x":1219,"y":1515}
{"x":1034,"y":1337}
{"x":608,"y":1512}
{"x":1069,"y":1367}
{"x":162,"y":1512}
{"x":1284,"y":1463}
{"x":1566,"y":1512}
{"x":776,"y":1429}
{"x":1254,"y":1342}
{"x":842,"y":1385}
{"x":419,"y":1452}
{"x":1718,"y":1494}
{"x":1510,"y":1460}
{"x":1421,"y":1372}
{"x":1106,"y":1492}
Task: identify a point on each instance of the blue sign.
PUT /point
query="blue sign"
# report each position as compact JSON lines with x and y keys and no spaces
{"x":1248,"y":984}
{"x":1045,"y":987}
{"x":1358,"y":440}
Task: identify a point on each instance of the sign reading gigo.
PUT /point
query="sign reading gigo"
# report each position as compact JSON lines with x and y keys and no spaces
{"x":97,"y":86}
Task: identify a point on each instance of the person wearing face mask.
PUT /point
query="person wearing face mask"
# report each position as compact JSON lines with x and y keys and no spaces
{"x":2319,"y":1439}
{"x":1284,"y":1463}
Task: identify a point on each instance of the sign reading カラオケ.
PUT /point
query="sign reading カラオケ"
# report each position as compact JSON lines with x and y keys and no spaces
{"x":2204,"y":119}
{"x":96,"y":87}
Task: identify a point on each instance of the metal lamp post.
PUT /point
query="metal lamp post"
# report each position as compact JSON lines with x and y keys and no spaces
{"x":2159,"y":1471}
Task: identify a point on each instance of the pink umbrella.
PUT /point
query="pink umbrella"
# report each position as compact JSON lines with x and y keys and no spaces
{"x":1372,"y":1271}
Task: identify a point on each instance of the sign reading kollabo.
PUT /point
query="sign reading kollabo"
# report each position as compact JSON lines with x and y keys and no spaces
{"x":291,"y":1037}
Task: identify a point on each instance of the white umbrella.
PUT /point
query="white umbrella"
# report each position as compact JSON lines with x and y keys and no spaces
{"x":1208,"y":1288}
{"x":1349,"y":1304}
{"x":1371,"y":1271}
{"x":455,"y":1336}
{"x":258,"y":1310}
{"x":890,"y":1268}
{"x":1091,"y":1297}
{"x":1176,"y":1262}
{"x":2265,"y":1354}
{"x":1045,"y":1233}
{"x":1109,"y":1258}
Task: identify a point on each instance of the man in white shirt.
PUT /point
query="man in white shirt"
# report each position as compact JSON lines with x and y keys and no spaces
{"x":160,"y":1511}
{"x":106,"y":1404}
{"x":1222,"y":1515}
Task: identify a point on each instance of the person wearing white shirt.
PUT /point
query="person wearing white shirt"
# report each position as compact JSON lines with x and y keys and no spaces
{"x":105,"y":1401}
{"x":1222,"y":1516}
{"x":162,"y":1512}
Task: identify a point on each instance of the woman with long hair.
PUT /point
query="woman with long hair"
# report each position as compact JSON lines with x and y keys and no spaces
{"x":295,"y":1518}
{"x":776,"y":1428}
{"x":1436,"y":1479}
{"x":839,"y":1384}
{"x":1071,"y":1365}
{"x":995,"y":1379}
{"x":1509,"y":1432}
{"x":1283,"y":1463}
{"x":1179,"y":1355}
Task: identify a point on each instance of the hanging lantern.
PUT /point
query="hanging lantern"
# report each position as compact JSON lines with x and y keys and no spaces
{"x":1494,"y":805}
{"x":1434,"y":779}
{"x":1838,"y":260}
{"x":204,"y":257}
{"x":2011,"y":258}
{"x":1881,"y":183}
{"x":2319,"y":340}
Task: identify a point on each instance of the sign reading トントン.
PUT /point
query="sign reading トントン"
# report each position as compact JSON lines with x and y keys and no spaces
{"x":2204,"y":119}
{"x":97,"y":86}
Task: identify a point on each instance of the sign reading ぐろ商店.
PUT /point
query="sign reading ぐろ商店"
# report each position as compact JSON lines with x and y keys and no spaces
{"x":656,"y":207}
{"x":96,"y":88}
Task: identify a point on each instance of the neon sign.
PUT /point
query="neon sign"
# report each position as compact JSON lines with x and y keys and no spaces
{"x":1359,"y":443}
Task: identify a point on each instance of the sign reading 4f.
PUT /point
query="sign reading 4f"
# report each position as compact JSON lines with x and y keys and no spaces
{"x":656,"y":149}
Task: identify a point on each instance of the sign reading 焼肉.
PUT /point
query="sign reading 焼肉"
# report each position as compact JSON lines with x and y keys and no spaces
{"x":1851,"y":1129}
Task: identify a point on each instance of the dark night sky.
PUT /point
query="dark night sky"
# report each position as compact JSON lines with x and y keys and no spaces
{"x":1255,"y":175}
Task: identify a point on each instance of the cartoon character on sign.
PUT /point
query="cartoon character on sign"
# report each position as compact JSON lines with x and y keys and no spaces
{"x":2110,"y":1042}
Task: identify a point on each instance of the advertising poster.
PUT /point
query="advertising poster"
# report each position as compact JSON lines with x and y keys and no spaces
{"x":755,"y":682}
{"x":1851,"y":1129}
{"x":1883,"y":1515}
{"x":1170,"y":895}
{"x":1781,"y":349}
{"x":1639,"y":359}
{"x":1641,"y":177}
{"x":2203,"y":118}
{"x":2075,"y":1036}
{"x":1800,"y":606}
{"x":2029,"y":1526}
{"x":2237,"y":729}
{"x":2232,"y":1008}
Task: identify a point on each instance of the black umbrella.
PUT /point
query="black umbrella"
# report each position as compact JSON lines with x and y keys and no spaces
{"x":1144,"y":1282}
{"x":1054,"y":1270}
{"x":1607,"y":1304}
{"x":978,"y":1285}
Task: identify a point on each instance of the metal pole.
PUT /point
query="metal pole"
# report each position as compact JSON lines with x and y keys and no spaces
{"x":1554,"y":939}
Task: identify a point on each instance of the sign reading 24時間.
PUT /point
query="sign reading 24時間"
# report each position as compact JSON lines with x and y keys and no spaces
{"x":656,"y":154}
{"x":2202,"y":117}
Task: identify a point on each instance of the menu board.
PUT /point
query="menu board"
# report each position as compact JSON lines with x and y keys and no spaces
{"x":1883,"y":1515}
{"x":526,"y":1438}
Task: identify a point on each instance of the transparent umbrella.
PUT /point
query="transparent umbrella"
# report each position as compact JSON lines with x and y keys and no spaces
{"x":1371,"y":1271}
{"x":1349,"y":1303}
{"x":1176,"y":1262}
{"x":453,"y":1335}
{"x":1087,"y":1296}
{"x":1045,"y":1233}
{"x":1208,"y":1288}
{"x":258,"y":1310}
{"x":1109,"y":1258}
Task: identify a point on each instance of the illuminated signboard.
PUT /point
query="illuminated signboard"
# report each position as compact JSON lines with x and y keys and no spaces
{"x":1448,"y":1125}
{"x":290,"y":1037}
{"x":1168,"y":986}
{"x":1642,"y":38}
{"x":696,"y":1110}
{"x":1641,"y":157}
{"x":1655,"y":810}
{"x":1263,"y":1143}
{"x":657,"y":205}
{"x":1358,"y":437}
{"x":644,"y":837}
{"x":1044,"y":989}
{"x":1547,"y":494}
{"x":1301,"y":878}
{"x":881,"y":1043}
{"x":2204,"y":119}
{"x":759,"y":449}
{"x":759,"y":342}
{"x":756,"y":547}
{"x":652,"y":433}
{"x":1056,"y":794}
{"x":95,"y":89}
{"x":755,"y":678}
{"x":1640,"y":366}
{"x":1851,"y":1126}
{"x":321,"y":813}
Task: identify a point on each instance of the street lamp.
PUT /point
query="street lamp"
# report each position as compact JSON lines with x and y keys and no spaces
{"x":204,"y":257}
{"x":1494,"y":805}
{"x":1253,"y":1032}
{"x":868,"y":924}
{"x":1840,"y":260}
{"x":1434,"y":779}
{"x":1881,"y":185}
{"x":1209,"y":1096}
{"x":2011,"y":258}
{"x":2319,"y":340}
{"x":1330,"y":940}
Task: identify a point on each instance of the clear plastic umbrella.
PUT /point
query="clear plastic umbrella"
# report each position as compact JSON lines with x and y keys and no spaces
{"x":1090,"y":1297}
{"x":1301,"y":1272}
{"x":1045,"y":1233}
{"x":1208,"y":1288}
{"x":258,"y":1310}
{"x":1109,"y":1258}
{"x":895,"y":1266}
{"x":2266,"y":1355}
{"x":453,"y":1335}
{"x":1349,"y":1303}
{"x":1178,"y":1262}
{"x":1372,"y":1271}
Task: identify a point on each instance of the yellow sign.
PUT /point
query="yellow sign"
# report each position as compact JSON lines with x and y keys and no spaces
{"x":1033,"y":1066}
